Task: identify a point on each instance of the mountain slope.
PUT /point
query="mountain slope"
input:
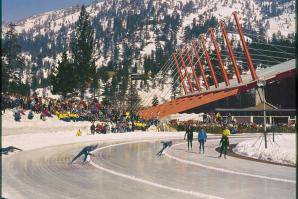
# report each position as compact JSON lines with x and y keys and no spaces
{"x":144,"y":26}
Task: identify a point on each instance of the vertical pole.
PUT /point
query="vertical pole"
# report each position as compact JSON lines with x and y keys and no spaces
{"x":185,"y":69}
{"x":270,"y":120}
{"x":223,"y":29}
{"x":200,"y":65}
{"x":265,"y":133}
{"x":181,"y":77}
{"x":209,"y":62}
{"x":247,"y":55}
{"x":273,"y":129}
{"x":223,"y":71}
{"x":193,"y":70}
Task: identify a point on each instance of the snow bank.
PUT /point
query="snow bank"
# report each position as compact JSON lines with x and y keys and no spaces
{"x":283,"y":150}
{"x":34,"y":134}
{"x":36,"y":125}
{"x":40,"y":140}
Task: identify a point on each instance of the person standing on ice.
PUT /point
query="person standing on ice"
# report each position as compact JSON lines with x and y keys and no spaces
{"x":85,"y":151}
{"x":202,"y":137}
{"x":189,"y":134}
{"x":224,"y":141}
{"x":92,"y":129}
{"x":165,"y":144}
{"x":30,"y":115}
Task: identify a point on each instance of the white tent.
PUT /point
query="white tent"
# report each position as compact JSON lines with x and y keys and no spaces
{"x":186,"y":117}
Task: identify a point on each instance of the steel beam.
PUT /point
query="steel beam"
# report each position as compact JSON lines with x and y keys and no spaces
{"x":200,"y":65}
{"x":193,"y":70}
{"x":223,"y":29}
{"x":223,"y":71}
{"x":180,"y":74}
{"x":209,"y":62}
{"x":185,"y":69}
{"x":247,"y":55}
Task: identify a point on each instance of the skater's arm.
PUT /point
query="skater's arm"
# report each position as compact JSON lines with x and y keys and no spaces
{"x":16,"y":148}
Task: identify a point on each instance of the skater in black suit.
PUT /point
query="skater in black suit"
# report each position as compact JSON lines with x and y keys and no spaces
{"x":167,"y":143}
{"x":85,"y":151}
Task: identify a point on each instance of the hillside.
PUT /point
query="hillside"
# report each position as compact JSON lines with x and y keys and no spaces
{"x":144,"y":29}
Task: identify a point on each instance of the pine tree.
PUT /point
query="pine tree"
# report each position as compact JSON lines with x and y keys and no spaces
{"x":34,"y":83}
{"x":95,"y":81}
{"x":63,"y":79}
{"x":107,"y":93}
{"x":12,"y":62}
{"x":133,"y":98}
{"x":155,"y":101}
{"x":82,"y":51}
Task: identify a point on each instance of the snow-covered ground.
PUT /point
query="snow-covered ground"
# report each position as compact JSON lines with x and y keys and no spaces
{"x":33,"y":134}
{"x":283,"y":150}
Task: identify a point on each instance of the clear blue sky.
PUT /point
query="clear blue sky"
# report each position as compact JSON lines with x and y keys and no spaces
{"x":18,"y":9}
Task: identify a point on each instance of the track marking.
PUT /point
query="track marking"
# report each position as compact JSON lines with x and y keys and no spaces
{"x":226,"y":170}
{"x":198,"y":194}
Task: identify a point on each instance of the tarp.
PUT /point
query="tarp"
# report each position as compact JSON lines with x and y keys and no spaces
{"x":187,"y":117}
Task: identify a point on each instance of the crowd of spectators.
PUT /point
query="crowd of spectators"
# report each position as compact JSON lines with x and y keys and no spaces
{"x":105,"y":118}
{"x":109,"y":118}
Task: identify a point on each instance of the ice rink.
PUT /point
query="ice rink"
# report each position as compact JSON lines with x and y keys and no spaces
{"x":130,"y":169}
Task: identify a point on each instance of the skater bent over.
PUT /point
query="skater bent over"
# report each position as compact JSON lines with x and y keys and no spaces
{"x":85,"y":151}
{"x":189,"y":134}
{"x":167,"y":143}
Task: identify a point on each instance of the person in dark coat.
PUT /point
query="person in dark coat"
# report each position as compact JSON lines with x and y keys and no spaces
{"x":85,"y":151}
{"x":189,"y":135}
{"x":30,"y":115}
{"x":165,"y":144}
{"x":92,"y":128}
{"x":6,"y":150}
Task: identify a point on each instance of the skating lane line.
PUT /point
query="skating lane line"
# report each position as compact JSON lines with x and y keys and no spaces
{"x":197,"y":194}
{"x":226,"y":170}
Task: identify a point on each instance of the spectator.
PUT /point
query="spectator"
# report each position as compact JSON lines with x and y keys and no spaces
{"x":224,"y":141}
{"x":30,"y":115}
{"x":189,"y":134}
{"x":202,"y":137}
{"x":92,"y":128}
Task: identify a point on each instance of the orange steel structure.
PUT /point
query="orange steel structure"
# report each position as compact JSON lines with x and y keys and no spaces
{"x":250,"y":64}
{"x":185,"y":70}
{"x":200,"y":64}
{"x":193,"y":70}
{"x":208,"y":95}
{"x":224,"y":32}
{"x":192,"y":101}
{"x":180,"y":74}
{"x":209,"y":62}
{"x":223,"y":71}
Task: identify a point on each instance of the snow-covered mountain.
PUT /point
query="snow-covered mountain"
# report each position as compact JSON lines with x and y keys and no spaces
{"x":144,"y":25}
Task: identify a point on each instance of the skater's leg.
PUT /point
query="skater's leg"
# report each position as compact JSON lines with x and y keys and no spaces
{"x":200,"y":145}
{"x":77,"y":156}
{"x":225,"y":150}
{"x":203,"y":147}
{"x":191,"y":144}
{"x":85,"y":158}
{"x":160,"y":152}
{"x":221,"y":150}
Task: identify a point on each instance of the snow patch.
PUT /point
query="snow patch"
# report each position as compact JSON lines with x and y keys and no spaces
{"x":283,"y":150}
